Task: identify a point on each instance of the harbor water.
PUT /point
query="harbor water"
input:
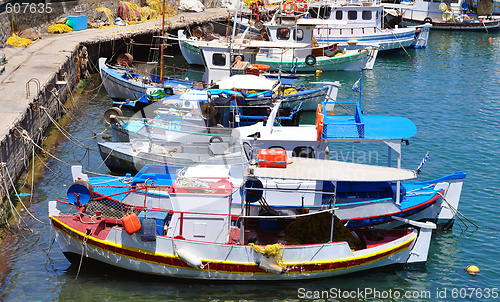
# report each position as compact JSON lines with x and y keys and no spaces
{"x":451,"y":91}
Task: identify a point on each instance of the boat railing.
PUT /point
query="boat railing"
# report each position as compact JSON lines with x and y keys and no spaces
{"x":343,"y":126}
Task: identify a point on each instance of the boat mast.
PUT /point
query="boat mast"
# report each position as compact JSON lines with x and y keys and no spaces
{"x":162,"y":35}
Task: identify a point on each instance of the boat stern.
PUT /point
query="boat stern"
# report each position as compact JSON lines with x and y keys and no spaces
{"x":420,"y":250}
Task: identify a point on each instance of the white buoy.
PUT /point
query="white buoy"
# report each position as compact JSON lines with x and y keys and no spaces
{"x":189,"y":258}
{"x":271,"y":267}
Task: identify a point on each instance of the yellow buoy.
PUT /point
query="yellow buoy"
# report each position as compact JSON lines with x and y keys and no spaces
{"x":318,"y":71}
{"x":472,"y":269}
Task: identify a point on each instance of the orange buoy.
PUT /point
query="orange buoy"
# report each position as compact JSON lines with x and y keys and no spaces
{"x":473,"y":270}
{"x":490,"y":39}
{"x":261,"y":67}
{"x":319,"y":121}
{"x":131,"y":223}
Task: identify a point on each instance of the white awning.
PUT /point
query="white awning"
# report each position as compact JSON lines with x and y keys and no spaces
{"x":244,"y":81}
{"x":317,"y":169}
{"x":315,"y":22}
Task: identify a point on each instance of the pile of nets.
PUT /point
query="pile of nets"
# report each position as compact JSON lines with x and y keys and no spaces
{"x":16,"y":41}
{"x":59,"y":29}
{"x":316,"y":229}
{"x":104,"y":17}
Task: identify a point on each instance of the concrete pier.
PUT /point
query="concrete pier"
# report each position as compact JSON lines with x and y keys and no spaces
{"x":38,"y":79}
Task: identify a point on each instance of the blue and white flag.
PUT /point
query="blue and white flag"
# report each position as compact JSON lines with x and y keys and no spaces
{"x":356,"y":85}
{"x":426,"y":157}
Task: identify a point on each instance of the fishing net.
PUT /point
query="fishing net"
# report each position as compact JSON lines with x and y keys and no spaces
{"x":108,"y":18}
{"x":16,"y":41}
{"x":271,"y":250}
{"x":156,"y":5}
{"x":148,"y":14}
{"x":109,"y":208}
{"x":129,"y":12}
{"x":317,"y":228}
{"x":59,"y":29}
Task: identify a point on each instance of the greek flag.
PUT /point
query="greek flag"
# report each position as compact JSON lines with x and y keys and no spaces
{"x":356,"y":86}
{"x":423,"y":162}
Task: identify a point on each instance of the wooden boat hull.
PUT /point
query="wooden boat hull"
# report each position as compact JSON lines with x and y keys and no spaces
{"x":355,"y":61}
{"x":166,"y":256}
{"x":486,"y":25}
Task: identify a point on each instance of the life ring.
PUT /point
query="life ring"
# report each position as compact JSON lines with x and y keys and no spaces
{"x":289,"y":7}
{"x":302,"y":5}
{"x":319,"y":121}
{"x":310,"y":60}
{"x":216,"y":138}
{"x":428,"y":20}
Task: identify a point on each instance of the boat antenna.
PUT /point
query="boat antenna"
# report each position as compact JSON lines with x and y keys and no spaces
{"x":162,"y":35}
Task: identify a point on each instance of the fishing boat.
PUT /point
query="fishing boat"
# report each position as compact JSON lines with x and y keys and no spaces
{"x":360,"y":203}
{"x":453,"y":16}
{"x":123,"y":83}
{"x":349,"y":24}
{"x":324,"y":57}
{"x":200,"y":238}
{"x":295,"y":49}
{"x":360,"y":24}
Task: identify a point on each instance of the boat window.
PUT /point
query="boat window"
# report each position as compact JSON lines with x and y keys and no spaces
{"x":298,"y":34}
{"x":352,"y":15}
{"x":324,"y":12}
{"x":283,"y":34}
{"x":306,"y":152}
{"x":338,"y":15}
{"x":313,"y":12}
{"x":366,"y":15}
{"x":219,"y":59}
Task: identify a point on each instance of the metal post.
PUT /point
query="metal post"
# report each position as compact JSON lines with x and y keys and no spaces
{"x":162,"y":35}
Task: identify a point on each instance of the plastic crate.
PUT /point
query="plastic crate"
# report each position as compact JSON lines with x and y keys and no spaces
{"x":79,"y":22}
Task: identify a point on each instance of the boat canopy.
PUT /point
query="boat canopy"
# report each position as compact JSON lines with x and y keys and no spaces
{"x":243,"y":81}
{"x":371,"y":128}
{"x":317,"y":169}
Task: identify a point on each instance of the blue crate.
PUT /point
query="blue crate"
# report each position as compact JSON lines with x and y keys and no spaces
{"x":79,"y":22}
{"x":159,"y":217}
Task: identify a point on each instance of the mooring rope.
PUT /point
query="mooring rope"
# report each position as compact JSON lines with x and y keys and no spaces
{"x":456,"y":210}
